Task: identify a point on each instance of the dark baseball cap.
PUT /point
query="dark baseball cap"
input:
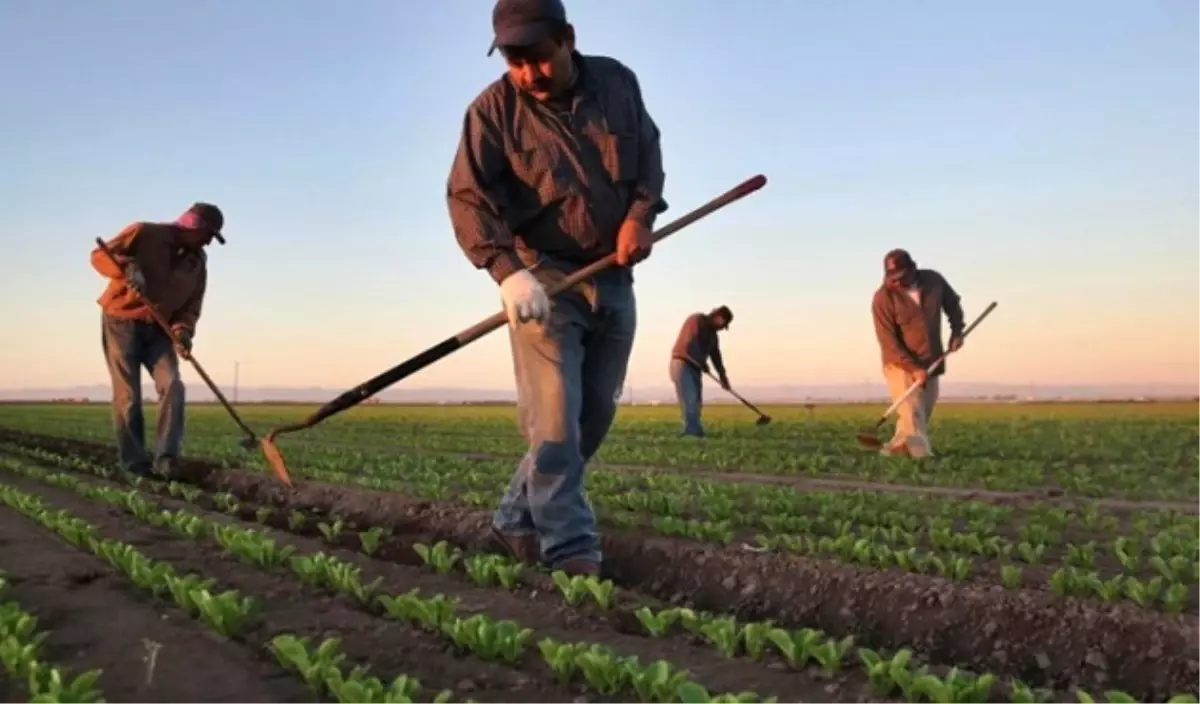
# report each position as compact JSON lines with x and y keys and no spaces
{"x":724,"y":312}
{"x":209,"y":217}
{"x":525,"y":22}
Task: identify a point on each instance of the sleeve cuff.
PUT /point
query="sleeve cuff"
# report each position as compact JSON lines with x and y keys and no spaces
{"x":504,"y":265}
{"x":643,"y":212}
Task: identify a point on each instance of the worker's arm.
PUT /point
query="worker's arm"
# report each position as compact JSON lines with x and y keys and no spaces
{"x":475,"y":195}
{"x":952,"y":305}
{"x":123,"y":247}
{"x":888,"y":334}
{"x":718,"y":362}
{"x":648,"y":189}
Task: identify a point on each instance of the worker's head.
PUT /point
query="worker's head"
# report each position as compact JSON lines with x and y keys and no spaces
{"x":537,"y":43}
{"x":899,"y":269}
{"x":721,"y":317}
{"x":200,"y":225}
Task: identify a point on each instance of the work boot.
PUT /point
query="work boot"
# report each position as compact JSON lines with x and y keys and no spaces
{"x":174,"y":470}
{"x":522,"y":548}
{"x":579,"y":565}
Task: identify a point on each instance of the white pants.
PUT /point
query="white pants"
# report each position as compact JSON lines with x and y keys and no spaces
{"x":912,"y":417}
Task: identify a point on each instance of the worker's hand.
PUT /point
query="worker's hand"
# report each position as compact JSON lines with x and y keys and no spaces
{"x":184,"y":335}
{"x":920,"y":376}
{"x":135,"y":278}
{"x":524,"y":298}
{"x":724,"y":382}
{"x":634,"y":242}
{"x":956,"y":343}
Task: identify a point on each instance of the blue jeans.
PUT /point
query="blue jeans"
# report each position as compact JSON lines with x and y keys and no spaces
{"x":689,"y":391}
{"x":570,"y":371}
{"x":128,"y":346}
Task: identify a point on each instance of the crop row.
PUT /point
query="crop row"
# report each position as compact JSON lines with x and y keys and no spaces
{"x":1113,"y":457}
{"x":493,"y":640}
{"x":20,"y":652}
{"x":882,"y":531}
{"x":725,"y":633}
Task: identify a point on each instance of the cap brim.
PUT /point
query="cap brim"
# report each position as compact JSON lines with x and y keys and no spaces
{"x":219,"y":237}
{"x":520,"y":35}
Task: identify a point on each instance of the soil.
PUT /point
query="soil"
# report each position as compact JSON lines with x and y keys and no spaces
{"x":1043,"y":639}
{"x":74,"y":596}
{"x":393,"y":648}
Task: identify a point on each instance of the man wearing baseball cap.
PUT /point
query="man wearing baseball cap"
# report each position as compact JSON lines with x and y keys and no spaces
{"x":907,"y":309}
{"x":695,"y":345}
{"x":558,"y":165}
{"x":165,"y":264}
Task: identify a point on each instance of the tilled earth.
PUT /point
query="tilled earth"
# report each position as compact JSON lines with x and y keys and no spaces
{"x":1036,"y":636}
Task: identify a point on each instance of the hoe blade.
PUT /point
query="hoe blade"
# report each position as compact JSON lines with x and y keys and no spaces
{"x":275,"y":460}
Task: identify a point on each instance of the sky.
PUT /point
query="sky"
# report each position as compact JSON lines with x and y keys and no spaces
{"x":1041,"y":155}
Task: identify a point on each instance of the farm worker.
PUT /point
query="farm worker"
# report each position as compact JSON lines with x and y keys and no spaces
{"x":166,"y":263}
{"x":697,"y":342}
{"x":558,"y":165}
{"x":907,"y":309}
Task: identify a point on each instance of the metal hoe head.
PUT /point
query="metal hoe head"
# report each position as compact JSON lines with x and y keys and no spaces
{"x":869,"y":440}
{"x":275,"y":460}
{"x":763,"y":420}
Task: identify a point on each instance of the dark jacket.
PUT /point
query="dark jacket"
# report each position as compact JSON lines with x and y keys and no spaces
{"x":697,"y":342}
{"x":176,"y":278}
{"x":527,"y":178}
{"x":910,"y":335}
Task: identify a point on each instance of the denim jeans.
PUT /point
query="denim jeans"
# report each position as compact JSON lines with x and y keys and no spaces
{"x":689,"y":391}
{"x":130,"y":345}
{"x":570,"y":371}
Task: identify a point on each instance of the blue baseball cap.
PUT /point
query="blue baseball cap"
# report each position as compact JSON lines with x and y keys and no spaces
{"x":525,"y":22}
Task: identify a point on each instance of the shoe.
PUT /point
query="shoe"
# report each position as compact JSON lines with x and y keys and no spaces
{"x":522,"y":548}
{"x":142,"y":469}
{"x":579,"y":565}
{"x":173,"y":469}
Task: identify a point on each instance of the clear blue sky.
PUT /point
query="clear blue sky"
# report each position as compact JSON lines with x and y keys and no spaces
{"x":1040,"y":154}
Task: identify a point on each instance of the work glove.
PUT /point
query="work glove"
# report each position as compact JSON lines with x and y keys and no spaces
{"x":135,"y":278}
{"x":184,"y":335}
{"x":524,"y":298}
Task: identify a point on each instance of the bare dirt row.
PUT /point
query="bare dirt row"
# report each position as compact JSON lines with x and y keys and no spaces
{"x":1036,"y":636}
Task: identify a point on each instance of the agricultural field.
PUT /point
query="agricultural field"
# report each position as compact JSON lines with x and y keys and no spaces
{"x":1048,"y":553}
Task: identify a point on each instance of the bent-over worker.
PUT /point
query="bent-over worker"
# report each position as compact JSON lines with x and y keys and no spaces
{"x":558,"y":165}
{"x":907,"y":309}
{"x":696,"y":344}
{"x":165,"y":263}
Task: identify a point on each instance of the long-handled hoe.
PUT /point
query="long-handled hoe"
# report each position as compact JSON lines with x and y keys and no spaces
{"x":869,"y":438}
{"x":450,"y":345}
{"x":250,"y":440}
{"x":763,"y":418}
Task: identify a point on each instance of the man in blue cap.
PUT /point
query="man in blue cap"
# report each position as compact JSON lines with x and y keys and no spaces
{"x":558,"y":165}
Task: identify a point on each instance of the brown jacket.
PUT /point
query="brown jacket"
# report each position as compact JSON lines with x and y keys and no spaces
{"x":529,"y":181}
{"x":697,"y":343}
{"x":176,"y":278}
{"x":910,"y":335}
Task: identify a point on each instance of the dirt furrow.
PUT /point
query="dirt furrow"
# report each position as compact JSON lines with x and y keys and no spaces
{"x":75,"y":595}
{"x":1038,"y":637}
{"x":546,"y":613}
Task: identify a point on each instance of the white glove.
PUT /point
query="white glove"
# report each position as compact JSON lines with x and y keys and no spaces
{"x":524,"y":298}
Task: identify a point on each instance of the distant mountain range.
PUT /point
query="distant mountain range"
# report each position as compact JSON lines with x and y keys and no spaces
{"x":782,"y":393}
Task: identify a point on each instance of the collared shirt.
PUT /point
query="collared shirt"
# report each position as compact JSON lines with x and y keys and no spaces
{"x":176,"y":277}
{"x":529,"y":180}
{"x":909,"y":328}
{"x":697,"y":342}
